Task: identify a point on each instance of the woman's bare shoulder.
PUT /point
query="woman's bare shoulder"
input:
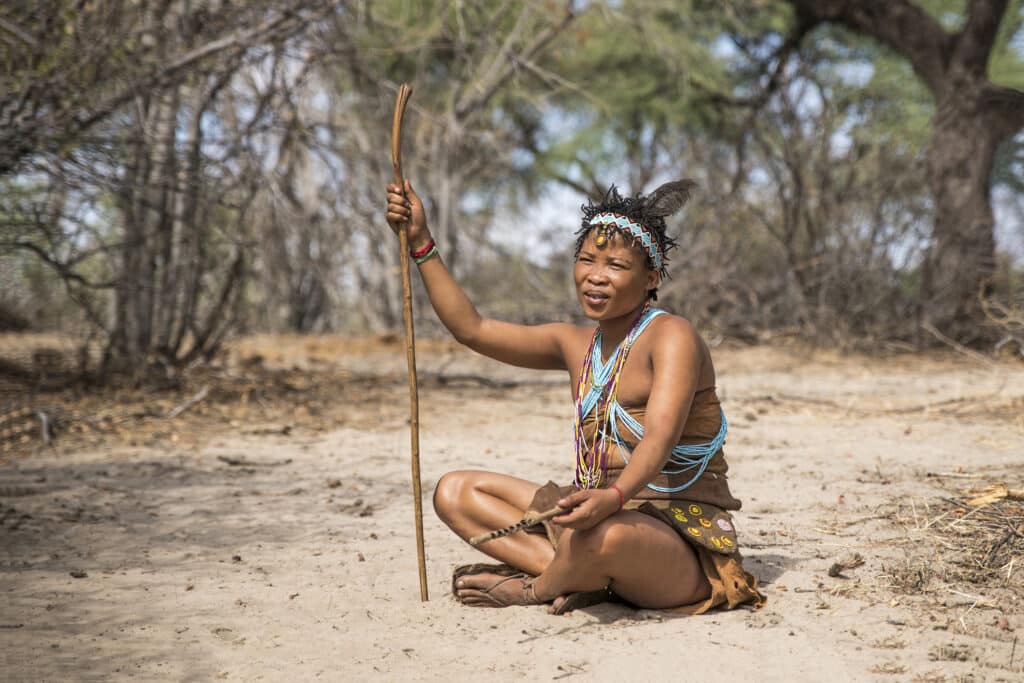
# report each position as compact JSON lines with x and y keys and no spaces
{"x":669,"y":328}
{"x":677,"y":338}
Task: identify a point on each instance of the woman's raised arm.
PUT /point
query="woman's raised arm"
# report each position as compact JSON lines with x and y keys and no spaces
{"x":535,"y":346}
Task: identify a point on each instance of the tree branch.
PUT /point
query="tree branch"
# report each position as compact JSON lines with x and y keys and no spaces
{"x":62,"y":269}
{"x":21,"y":136}
{"x":900,"y":24}
{"x":780,"y":56}
{"x":1004,"y":109}
{"x":18,"y":32}
{"x":286,"y":24}
{"x":499,"y":73}
{"x":973,"y":44}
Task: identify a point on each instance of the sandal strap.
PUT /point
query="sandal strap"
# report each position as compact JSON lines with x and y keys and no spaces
{"x":527,"y":594}
{"x":530,"y":593}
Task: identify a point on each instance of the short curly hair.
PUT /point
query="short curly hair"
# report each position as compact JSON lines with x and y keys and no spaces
{"x":635,"y":209}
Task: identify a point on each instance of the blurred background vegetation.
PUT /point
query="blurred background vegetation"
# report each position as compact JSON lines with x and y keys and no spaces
{"x":173,"y":172}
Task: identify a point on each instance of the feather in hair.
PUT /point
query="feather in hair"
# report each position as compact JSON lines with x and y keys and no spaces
{"x":669,"y":198}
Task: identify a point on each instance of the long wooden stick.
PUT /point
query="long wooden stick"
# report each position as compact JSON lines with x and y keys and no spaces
{"x":530,"y":519}
{"x":404,"y":93}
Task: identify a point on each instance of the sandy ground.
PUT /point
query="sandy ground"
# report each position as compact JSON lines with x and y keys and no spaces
{"x":168,"y":562}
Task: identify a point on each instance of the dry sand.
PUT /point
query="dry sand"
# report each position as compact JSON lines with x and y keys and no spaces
{"x":167,"y":562}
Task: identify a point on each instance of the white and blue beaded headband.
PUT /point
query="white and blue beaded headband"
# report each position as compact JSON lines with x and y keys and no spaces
{"x":637,"y":230}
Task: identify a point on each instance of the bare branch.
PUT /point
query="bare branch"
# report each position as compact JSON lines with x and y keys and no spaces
{"x":41,"y":119}
{"x":18,"y":32}
{"x":62,"y":269}
{"x":973,"y":44}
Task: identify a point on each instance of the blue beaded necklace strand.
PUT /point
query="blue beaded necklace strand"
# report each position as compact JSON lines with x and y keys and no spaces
{"x":598,"y":388}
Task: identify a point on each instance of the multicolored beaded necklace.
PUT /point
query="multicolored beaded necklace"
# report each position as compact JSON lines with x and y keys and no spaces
{"x":600,"y":380}
{"x":598,"y":387}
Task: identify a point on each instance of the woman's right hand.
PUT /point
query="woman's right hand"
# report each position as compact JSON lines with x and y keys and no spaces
{"x":408,"y":209}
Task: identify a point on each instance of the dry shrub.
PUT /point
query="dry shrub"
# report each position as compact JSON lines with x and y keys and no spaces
{"x":974,"y":549}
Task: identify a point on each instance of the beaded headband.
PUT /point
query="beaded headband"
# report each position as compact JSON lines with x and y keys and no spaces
{"x":637,"y":230}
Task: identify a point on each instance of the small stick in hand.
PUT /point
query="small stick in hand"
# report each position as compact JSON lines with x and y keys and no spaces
{"x":530,"y":519}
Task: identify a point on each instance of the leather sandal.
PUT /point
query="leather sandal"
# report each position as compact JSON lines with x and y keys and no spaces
{"x":484,"y":597}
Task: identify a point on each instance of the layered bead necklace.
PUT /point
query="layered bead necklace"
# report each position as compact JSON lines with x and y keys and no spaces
{"x":598,"y":387}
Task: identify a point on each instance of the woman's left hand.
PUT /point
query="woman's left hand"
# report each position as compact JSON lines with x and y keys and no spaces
{"x":587,"y":508}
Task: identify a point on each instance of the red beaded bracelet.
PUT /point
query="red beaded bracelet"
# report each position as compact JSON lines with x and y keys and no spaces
{"x":420,"y":253}
{"x":622,"y":498}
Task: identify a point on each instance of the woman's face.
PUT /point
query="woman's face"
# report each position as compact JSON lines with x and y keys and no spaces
{"x":612,"y":280}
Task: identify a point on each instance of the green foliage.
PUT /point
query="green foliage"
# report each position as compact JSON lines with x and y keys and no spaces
{"x":640,"y":77}
{"x":812,"y":195}
{"x":1006,"y":65}
{"x":950,"y":14}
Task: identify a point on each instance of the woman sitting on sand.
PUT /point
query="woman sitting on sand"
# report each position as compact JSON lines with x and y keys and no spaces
{"x":645,"y":518}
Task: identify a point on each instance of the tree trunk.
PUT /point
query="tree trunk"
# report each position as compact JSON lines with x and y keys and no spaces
{"x":961,"y":259}
{"x":972,"y":117}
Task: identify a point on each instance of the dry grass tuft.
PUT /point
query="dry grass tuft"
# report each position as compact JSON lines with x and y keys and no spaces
{"x":910,"y":576}
{"x":975,"y":551}
{"x":888,"y":668}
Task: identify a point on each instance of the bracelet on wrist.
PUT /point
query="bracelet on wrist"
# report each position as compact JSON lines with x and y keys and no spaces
{"x":420,"y":253}
{"x":427,"y":256}
{"x":622,"y":498}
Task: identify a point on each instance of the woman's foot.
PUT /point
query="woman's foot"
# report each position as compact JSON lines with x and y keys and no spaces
{"x":564,"y":604}
{"x":489,"y":589}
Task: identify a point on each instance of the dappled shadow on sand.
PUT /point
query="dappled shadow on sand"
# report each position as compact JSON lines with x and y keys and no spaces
{"x":79,"y":539}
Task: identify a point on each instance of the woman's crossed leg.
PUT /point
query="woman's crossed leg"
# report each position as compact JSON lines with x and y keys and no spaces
{"x":639,"y":557}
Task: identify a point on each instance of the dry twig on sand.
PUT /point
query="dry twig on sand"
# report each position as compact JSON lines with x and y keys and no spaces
{"x":956,"y":346}
{"x":200,"y":395}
